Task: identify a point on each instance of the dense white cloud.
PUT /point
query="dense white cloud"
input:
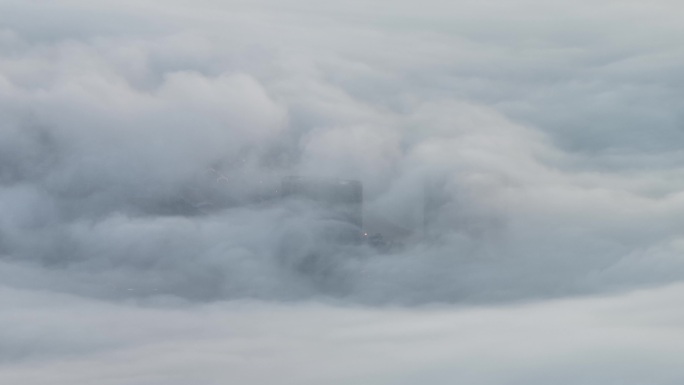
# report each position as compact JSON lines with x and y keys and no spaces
{"x":57,"y":339}
{"x":141,"y":144}
{"x":116,"y":124}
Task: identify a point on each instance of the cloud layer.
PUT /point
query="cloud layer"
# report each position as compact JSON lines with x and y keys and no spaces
{"x":550,"y":152}
{"x":522,"y":151}
{"x":631,"y":339}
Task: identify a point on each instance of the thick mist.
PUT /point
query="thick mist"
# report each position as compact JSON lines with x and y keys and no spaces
{"x":510,"y":152}
{"x":141,"y":158}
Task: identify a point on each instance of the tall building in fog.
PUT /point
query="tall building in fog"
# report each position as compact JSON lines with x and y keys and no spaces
{"x":338,"y":199}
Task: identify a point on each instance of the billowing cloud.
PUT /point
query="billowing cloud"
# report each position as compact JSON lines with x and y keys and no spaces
{"x":115,"y":137}
{"x":509,"y":151}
